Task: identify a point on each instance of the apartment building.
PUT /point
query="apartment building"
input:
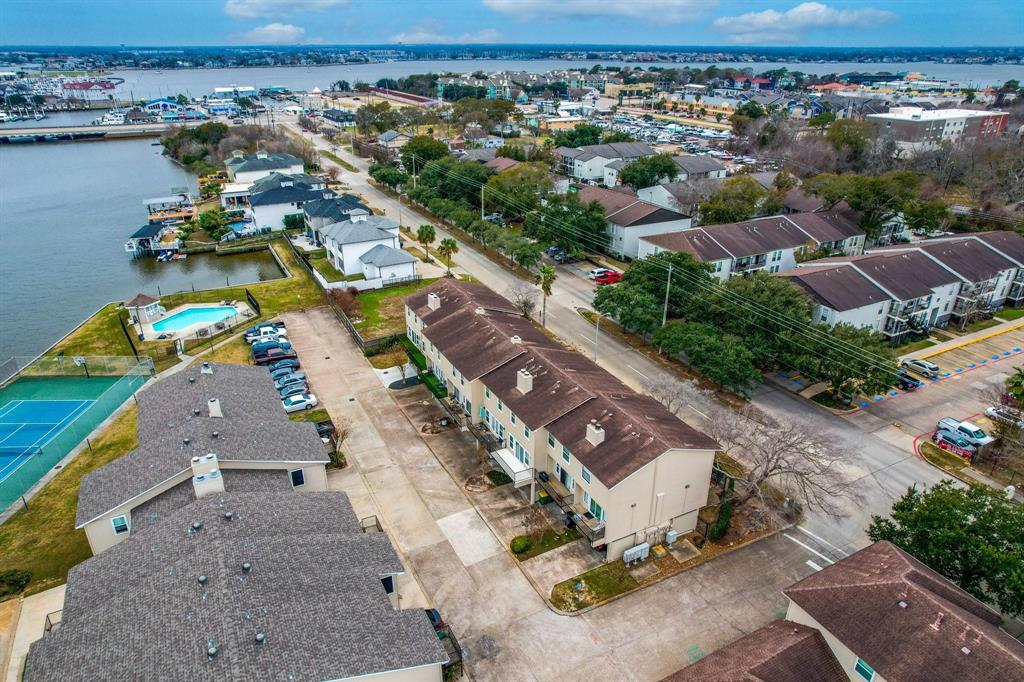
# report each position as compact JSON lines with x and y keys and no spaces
{"x":689,"y":168}
{"x":772,"y":244}
{"x":260,"y":585}
{"x":878,"y":615}
{"x":917,"y":129}
{"x":624,"y":468}
{"x":202,"y":432}
{"x":588,"y":162}
{"x":630,"y":219}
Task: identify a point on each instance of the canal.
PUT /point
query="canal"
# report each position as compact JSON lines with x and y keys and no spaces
{"x":65,"y":213}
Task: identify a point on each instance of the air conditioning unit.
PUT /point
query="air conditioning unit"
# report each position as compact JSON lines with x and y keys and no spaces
{"x":636,"y":553}
{"x":671,"y":535}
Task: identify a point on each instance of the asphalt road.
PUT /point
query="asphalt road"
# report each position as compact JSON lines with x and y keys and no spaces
{"x":881,"y":454}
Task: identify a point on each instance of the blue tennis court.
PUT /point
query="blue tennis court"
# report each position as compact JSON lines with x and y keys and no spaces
{"x":28,"y":425}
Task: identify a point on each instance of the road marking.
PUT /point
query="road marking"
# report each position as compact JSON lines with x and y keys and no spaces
{"x":697,"y":411}
{"x":807,"y":547}
{"x":821,"y":540}
{"x":637,"y":371}
{"x":813,"y":565}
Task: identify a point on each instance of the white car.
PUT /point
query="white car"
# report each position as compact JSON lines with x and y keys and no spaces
{"x":267,"y":335}
{"x":297,"y":403}
{"x":1006,"y":415}
{"x":597,"y":272}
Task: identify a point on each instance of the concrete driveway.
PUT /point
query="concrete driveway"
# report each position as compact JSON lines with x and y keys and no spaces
{"x":462,"y":568}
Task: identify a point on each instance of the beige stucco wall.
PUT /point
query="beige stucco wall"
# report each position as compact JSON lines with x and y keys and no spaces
{"x":847,"y":658}
{"x":426,"y":673}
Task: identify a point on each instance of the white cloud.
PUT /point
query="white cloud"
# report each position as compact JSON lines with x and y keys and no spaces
{"x":653,"y":11}
{"x":252,"y":9}
{"x":771,"y":26}
{"x":272,"y":34}
{"x":429,"y":33}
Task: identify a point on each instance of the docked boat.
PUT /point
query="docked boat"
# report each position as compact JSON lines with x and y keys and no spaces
{"x":114,"y":117}
{"x":21,"y":138}
{"x":39,"y":116}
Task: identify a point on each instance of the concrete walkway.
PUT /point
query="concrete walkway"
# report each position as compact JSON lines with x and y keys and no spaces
{"x":966,"y":339}
{"x":31,"y":622}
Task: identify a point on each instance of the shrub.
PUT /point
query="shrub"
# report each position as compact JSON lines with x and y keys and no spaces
{"x":13,"y":581}
{"x":434,"y":384}
{"x":722,"y":524}
{"x":520,"y":544}
{"x":498,"y":477}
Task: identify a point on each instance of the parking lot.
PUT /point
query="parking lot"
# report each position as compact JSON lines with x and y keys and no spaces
{"x":978,"y":353}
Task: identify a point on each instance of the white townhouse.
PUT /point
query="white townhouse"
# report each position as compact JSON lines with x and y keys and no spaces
{"x":630,"y":219}
{"x":588,"y":162}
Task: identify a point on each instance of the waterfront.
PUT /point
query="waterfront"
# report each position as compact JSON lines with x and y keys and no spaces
{"x":199,"y":82}
{"x":65,"y":213}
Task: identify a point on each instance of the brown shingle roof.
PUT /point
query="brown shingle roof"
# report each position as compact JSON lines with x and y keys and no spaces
{"x":839,"y":287}
{"x":782,"y":651}
{"x":969,"y":258}
{"x":754,"y":237}
{"x":140,"y":301}
{"x":1009,"y":243}
{"x":860,"y":601}
{"x":825,"y":227}
{"x":623,"y":208}
{"x":695,"y":242}
{"x":799,"y":201}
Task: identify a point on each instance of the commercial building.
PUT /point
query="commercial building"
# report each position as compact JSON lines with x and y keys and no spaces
{"x":202,"y":432}
{"x":623,"y":467}
{"x":918,"y":129}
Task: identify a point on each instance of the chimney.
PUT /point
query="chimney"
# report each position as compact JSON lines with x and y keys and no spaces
{"x":524,"y":381}
{"x":433,"y":301}
{"x":595,"y":433}
{"x":209,"y":483}
{"x":215,"y":411}
{"x":261,"y":155}
{"x":206,"y":368}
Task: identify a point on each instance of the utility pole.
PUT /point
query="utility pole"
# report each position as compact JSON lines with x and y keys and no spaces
{"x":668,"y":286}
{"x":481,"y":202}
{"x":414,"y":172}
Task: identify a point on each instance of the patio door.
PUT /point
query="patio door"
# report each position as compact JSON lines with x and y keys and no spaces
{"x":565,"y":479}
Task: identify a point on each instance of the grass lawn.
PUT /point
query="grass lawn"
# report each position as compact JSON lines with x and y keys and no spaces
{"x":390,"y":358}
{"x":976,"y":326}
{"x":102,"y":335}
{"x":1010,"y":314}
{"x":595,"y":586}
{"x":947,"y":461}
{"x":914,"y":346}
{"x":825,"y":398}
{"x":42,"y":539}
{"x":234,"y":352}
{"x":321,"y":264}
{"x":340,"y":161}
{"x":317,"y":415}
{"x":549,"y":541}
{"x":382,"y":311}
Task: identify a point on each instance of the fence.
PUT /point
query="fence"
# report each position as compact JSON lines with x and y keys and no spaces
{"x":61,"y":365}
{"x":33,"y":465}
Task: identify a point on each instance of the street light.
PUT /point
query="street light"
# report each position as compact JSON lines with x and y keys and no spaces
{"x":597,"y":335}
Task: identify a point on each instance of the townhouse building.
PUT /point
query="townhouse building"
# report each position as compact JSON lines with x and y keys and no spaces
{"x":773,"y":244}
{"x":623,"y":468}
{"x":202,"y":432}
{"x":588,"y":162}
{"x":630,"y":219}
{"x":689,"y":167}
{"x":917,"y":129}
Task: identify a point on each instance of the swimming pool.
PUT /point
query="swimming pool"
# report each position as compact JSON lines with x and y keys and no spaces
{"x":192,"y":316}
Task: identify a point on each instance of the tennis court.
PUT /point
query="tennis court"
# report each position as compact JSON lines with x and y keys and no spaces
{"x":26,"y":426}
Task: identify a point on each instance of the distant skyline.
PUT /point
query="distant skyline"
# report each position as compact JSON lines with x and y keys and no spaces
{"x":738,"y":23}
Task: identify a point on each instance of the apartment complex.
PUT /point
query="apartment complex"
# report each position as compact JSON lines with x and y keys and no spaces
{"x":588,"y":162}
{"x":242,"y":586}
{"x":202,"y":432}
{"x":918,"y":129}
{"x":909,"y":288}
{"x":878,"y":615}
{"x":630,"y":218}
{"x":772,"y":244}
{"x":621,"y":465}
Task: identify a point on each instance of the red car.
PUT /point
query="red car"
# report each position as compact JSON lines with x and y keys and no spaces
{"x":610,"y":277}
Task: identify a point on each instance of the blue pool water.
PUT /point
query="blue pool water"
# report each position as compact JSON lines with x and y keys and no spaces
{"x":239,"y":225}
{"x":192,"y":316}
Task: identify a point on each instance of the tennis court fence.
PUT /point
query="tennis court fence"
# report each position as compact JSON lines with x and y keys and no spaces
{"x":115,"y":379}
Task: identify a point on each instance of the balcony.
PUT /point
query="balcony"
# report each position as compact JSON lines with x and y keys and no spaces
{"x":558,"y":492}
{"x":750,"y":264}
{"x":1016,"y":292}
{"x":487,"y":440}
{"x":592,"y":528}
{"x":520,"y":473}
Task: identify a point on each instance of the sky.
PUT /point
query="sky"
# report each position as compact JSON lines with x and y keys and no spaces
{"x":833,"y":23}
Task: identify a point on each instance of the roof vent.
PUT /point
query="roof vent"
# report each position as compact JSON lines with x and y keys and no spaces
{"x":197,"y":525}
{"x":229,"y":516}
{"x":196,"y":411}
{"x":902,"y":604}
{"x":966,"y":651}
{"x":195,"y":459}
{"x":202,"y":579}
{"x":480,"y":310}
{"x":246,"y":567}
{"x":595,"y":433}
{"x":212,"y":652}
{"x":260,"y":638}
{"x":206,"y":368}
{"x":215,"y":434}
{"x":215,"y":411}
{"x":185,"y":442}
{"x":516,"y":339}
{"x":938,"y":621}
{"x":191,"y":380}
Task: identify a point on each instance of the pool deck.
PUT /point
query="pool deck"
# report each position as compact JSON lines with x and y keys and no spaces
{"x":242,"y":313}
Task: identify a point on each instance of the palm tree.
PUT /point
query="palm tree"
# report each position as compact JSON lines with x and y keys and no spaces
{"x":546,"y":280}
{"x":425,"y":235}
{"x":446,"y":248}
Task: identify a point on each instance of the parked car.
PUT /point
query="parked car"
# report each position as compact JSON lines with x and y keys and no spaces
{"x":906,"y":382}
{"x":276,"y":374}
{"x":255,"y":333}
{"x":290,"y":365}
{"x":268,"y":335}
{"x":435,"y":619}
{"x":1006,"y":415}
{"x":552,"y":250}
{"x":289,"y":379}
{"x":610,"y":277}
{"x":954,"y":438}
{"x":276,"y":343}
{"x":325,"y":428}
{"x":597,"y":272}
{"x":272,"y":355}
{"x":971,"y":432}
{"x":563,"y":257}
{"x":297,"y":403}
{"x":265,"y":325}
{"x":293,"y":389}
{"x":493,"y":218}
{"x":922,"y":367}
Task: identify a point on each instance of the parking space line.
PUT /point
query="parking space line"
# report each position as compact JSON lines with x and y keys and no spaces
{"x":808,"y":548}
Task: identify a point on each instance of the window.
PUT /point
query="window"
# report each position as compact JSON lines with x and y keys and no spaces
{"x":526,"y":431}
{"x":487,"y":392}
{"x":501,"y":405}
{"x":824,"y":316}
{"x":512,"y":416}
{"x":586,"y":474}
{"x":551,"y":441}
{"x":298,"y":477}
{"x":565,"y":454}
{"x":389,"y":583}
{"x":120,"y":524}
{"x":864,"y":670}
{"x":776,"y":256}
{"x":596,"y":510}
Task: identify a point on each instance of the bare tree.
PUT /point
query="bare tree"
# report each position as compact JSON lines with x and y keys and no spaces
{"x":675,"y":394}
{"x":524,"y":299}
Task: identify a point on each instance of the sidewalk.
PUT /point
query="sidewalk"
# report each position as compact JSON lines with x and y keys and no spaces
{"x":966,"y":340}
{"x":34,"y":610}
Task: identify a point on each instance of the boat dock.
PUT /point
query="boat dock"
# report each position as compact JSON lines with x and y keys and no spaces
{"x":86,"y":133}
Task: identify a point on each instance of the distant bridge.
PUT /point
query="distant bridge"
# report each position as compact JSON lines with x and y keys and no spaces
{"x":86,"y":133}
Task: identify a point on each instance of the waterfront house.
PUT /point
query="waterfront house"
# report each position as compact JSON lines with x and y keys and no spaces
{"x":205,"y":431}
{"x":244,"y":585}
{"x":278,"y":196}
{"x":621,"y":466}
{"x":366,"y":244}
{"x":243,"y":168}
{"x":630,"y":219}
{"x":319,"y":213}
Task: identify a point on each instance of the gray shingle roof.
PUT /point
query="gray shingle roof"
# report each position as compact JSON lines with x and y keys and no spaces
{"x":697,"y":165}
{"x":256,"y":163}
{"x":314,"y":590}
{"x":383,"y":256}
{"x":336,"y":208}
{"x":372,"y":229}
